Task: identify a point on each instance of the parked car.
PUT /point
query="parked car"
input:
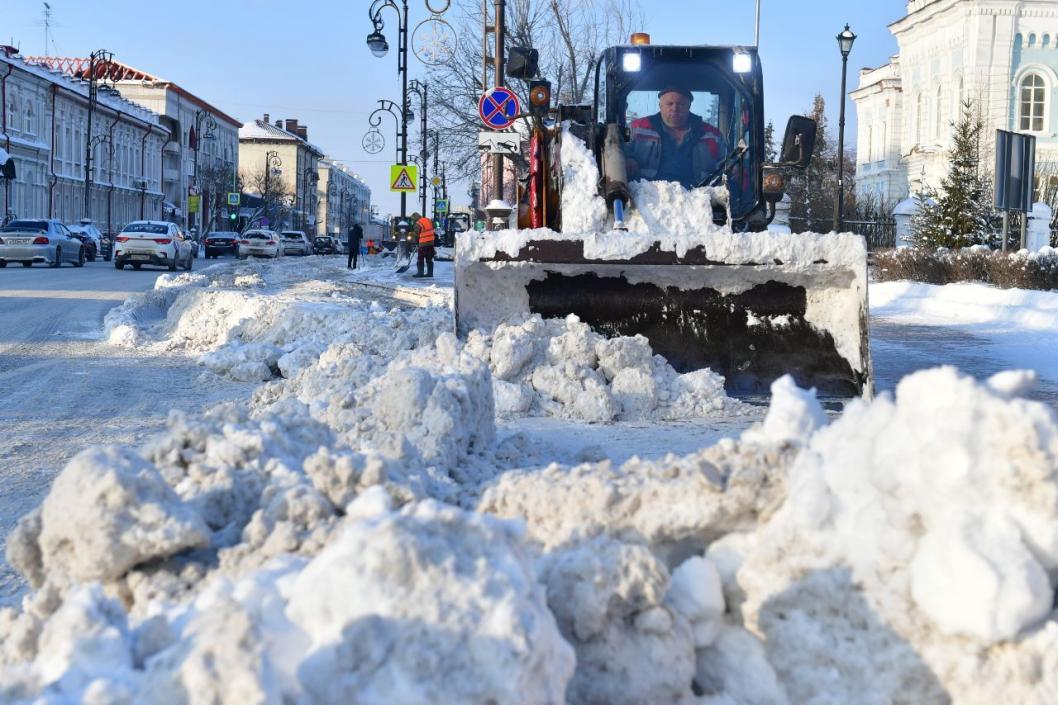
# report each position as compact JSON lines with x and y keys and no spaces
{"x":156,"y":242}
{"x":325,"y":245}
{"x":259,"y":243}
{"x":89,"y":234}
{"x":46,"y":240}
{"x":221,"y":242}
{"x":295,"y":243}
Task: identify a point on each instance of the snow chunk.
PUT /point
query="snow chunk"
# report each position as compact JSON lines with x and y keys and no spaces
{"x":108,"y":511}
{"x":794,"y":414}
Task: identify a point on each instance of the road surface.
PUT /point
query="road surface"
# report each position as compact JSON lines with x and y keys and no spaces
{"x":62,"y":388}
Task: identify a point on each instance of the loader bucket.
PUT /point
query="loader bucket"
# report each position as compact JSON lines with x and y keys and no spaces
{"x":717,"y":305}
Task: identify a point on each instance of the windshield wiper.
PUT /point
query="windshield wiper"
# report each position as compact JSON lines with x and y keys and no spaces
{"x":726,"y":164}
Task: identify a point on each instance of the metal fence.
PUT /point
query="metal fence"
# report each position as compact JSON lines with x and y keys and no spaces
{"x":880,"y":234}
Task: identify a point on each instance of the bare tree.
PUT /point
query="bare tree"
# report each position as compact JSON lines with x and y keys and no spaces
{"x":569,"y":34}
{"x":215,"y":182}
{"x":277,"y":198}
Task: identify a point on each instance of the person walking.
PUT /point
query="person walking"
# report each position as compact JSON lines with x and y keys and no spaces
{"x":425,"y":230}
{"x":356,"y":234}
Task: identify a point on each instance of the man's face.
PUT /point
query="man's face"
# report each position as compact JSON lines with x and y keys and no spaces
{"x":675,"y":109}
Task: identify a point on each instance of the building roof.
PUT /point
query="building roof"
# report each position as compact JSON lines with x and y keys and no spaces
{"x":113,"y":101}
{"x":117,"y":72}
{"x":261,"y":130}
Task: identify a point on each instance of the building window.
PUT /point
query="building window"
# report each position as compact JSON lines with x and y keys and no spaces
{"x":1033,"y":103}
{"x":920,"y":119}
{"x":939,"y":113}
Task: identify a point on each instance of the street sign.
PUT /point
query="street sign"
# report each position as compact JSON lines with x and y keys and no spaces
{"x":498,"y":142}
{"x":192,"y":204}
{"x":436,"y":181}
{"x":441,"y":205}
{"x":498,"y":108}
{"x":403,"y":178}
{"x":234,"y":199}
{"x":479,"y":225}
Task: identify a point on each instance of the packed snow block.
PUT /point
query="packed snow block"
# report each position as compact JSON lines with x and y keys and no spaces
{"x":608,"y":599}
{"x":920,"y":531}
{"x":250,"y":362}
{"x":405,"y":607}
{"x":677,"y":506}
{"x":442,"y":416}
{"x":108,"y":511}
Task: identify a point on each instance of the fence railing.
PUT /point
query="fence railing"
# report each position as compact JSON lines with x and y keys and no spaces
{"x":880,"y":234}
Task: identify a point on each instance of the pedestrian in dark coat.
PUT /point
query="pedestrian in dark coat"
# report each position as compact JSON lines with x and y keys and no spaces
{"x":356,"y":234}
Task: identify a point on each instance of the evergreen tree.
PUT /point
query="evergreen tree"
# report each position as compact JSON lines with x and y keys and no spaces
{"x":770,"y":151}
{"x":962,"y":214}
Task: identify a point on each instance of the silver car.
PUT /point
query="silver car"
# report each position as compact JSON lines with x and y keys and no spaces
{"x":295,"y":243}
{"x":47,"y":241}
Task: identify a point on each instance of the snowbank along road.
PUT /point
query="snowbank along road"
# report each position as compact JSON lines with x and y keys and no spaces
{"x":377,"y":519}
{"x":62,"y":388}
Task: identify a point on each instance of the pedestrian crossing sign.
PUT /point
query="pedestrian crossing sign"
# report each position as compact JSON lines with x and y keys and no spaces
{"x":403,"y":178}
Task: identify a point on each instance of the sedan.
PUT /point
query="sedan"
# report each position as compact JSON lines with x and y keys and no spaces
{"x":46,"y":241}
{"x":156,"y":242}
{"x":89,"y":234}
{"x":325,"y":245}
{"x":295,"y":243}
{"x":221,"y":243}
{"x":259,"y":243}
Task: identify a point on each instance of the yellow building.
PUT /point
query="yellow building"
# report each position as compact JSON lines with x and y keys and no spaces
{"x":278,"y":163}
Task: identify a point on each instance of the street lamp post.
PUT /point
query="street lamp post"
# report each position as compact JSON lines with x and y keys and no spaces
{"x":308,"y":177}
{"x":420,"y":89}
{"x":845,"y":40}
{"x":378,"y":45}
{"x":100,"y":57}
{"x":272,"y":161}
{"x":201,"y":116}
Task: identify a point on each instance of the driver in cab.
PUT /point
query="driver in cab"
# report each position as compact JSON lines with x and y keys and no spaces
{"x":673,"y":144}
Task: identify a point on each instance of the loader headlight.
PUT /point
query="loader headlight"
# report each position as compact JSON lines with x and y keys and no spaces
{"x":741,"y":62}
{"x":631,"y":61}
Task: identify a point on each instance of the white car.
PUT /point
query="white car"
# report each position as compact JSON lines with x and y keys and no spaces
{"x":260,"y":243}
{"x":295,"y":243}
{"x":156,"y":242}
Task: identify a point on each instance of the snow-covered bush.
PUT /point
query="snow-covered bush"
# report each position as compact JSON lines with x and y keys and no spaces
{"x":1008,"y":270}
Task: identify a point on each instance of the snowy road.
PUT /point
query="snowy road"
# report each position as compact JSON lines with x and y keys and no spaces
{"x":62,"y":388}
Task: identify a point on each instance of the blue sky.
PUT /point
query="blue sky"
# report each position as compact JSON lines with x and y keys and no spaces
{"x":309,"y":60}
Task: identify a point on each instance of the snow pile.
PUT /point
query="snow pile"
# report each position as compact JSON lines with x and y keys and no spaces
{"x":124,"y":325}
{"x":583,"y":209}
{"x":401,"y":606}
{"x":563,"y":368}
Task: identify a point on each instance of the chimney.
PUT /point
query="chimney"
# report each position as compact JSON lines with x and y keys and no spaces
{"x":279,"y":124}
{"x":292,"y":125}
{"x":266,"y":118}
{"x":303,"y":132}
{"x":8,"y":50}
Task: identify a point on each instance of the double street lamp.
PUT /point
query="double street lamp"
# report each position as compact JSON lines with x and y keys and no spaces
{"x":376,"y":42}
{"x":420,"y":89}
{"x":845,"y":40}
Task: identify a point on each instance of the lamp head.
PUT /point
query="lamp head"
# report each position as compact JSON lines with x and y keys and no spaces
{"x":845,"y":40}
{"x":377,"y":43}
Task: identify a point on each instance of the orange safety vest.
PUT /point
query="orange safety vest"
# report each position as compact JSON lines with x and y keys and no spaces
{"x":425,"y":231}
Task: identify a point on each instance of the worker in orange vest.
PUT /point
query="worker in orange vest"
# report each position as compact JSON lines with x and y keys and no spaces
{"x":425,"y":231}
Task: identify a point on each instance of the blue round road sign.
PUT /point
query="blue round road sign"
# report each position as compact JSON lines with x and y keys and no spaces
{"x":499,"y":108}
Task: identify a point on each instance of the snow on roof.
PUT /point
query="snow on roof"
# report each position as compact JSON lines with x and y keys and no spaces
{"x":117,"y":72}
{"x":75,"y":85}
{"x":261,"y":130}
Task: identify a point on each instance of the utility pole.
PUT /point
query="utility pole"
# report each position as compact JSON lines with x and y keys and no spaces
{"x":104,"y":57}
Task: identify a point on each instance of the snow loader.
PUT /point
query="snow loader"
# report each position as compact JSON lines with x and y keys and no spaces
{"x":722,"y":293}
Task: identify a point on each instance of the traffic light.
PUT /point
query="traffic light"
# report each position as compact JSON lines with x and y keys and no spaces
{"x":539,"y":98}
{"x":233,"y":216}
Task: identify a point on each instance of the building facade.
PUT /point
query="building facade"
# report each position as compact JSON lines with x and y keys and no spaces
{"x":199,"y":161}
{"x":343,"y":198}
{"x":1001,"y":54}
{"x":45,"y":128}
{"x":282,"y":151}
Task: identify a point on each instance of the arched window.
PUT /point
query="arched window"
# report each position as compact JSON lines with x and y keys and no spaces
{"x":30,"y":127}
{"x":920,"y":118}
{"x":1033,"y":103}
{"x":938,"y":113}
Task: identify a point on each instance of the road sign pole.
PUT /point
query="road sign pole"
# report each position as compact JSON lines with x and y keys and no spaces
{"x":497,"y":159}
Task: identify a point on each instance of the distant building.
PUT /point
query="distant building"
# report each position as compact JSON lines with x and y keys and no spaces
{"x":343,"y":198}
{"x":298,"y":170}
{"x":200,"y":159}
{"x":44,"y":126}
{"x":1003,"y":54}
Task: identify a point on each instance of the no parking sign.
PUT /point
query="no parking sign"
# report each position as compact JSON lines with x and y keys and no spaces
{"x":499,"y":108}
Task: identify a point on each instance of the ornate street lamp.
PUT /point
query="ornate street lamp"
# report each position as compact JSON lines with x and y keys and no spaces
{"x":845,"y":40}
{"x":378,"y":45}
{"x":420,"y":89}
{"x":98,"y":62}
{"x":272,"y":162}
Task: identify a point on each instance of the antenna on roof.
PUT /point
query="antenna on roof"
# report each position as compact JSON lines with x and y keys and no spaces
{"x":46,"y":22}
{"x":756,"y":34}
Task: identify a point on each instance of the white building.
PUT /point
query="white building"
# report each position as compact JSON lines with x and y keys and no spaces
{"x":343,"y":198}
{"x":44,"y":126}
{"x":204,"y":139}
{"x":1002,"y":54}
